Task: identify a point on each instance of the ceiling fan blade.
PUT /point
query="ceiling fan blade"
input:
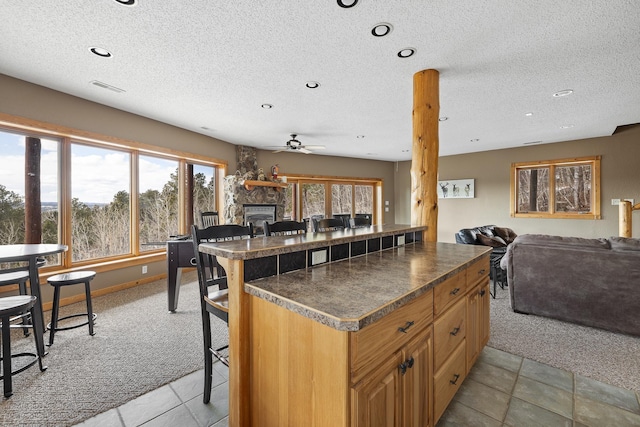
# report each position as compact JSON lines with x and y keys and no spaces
{"x":279,"y":151}
{"x":314,"y":147}
{"x":303,"y":150}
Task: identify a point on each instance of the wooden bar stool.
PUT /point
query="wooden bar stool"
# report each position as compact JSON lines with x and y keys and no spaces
{"x":66,"y":279}
{"x":12,"y":306}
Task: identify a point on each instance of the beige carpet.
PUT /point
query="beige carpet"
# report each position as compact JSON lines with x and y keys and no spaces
{"x":604,"y":356}
{"x":138,"y":347}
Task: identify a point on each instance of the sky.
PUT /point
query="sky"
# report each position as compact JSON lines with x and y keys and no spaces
{"x":97,"y":174}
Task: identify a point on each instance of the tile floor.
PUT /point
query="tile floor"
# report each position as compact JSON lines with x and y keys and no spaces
{"x":501,"y":390}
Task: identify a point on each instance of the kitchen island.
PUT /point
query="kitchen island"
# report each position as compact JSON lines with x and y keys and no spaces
{"x":357,"y":327}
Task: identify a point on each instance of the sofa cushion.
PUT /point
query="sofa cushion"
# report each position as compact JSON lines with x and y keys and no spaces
{"x":494,"y":242}
{"x":624,"y":243}
{"x":548,"y":240}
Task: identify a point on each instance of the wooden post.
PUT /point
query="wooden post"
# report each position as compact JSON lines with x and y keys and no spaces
{"x":32,"y":203}
{"x":188,"y":200}
{"x":239,"y":348}
{"x":624,"y":218}
{"x":424,"y":158}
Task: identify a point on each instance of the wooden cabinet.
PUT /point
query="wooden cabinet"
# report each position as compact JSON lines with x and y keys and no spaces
{"x":401,"y":370}
{"x":478,"y":321}
{"x":398,"y":392}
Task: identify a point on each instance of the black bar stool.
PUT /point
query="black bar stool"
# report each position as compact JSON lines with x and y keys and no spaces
{"x":66,"y":279}
{"x":19,"y":278}
{"x":12,"y":306}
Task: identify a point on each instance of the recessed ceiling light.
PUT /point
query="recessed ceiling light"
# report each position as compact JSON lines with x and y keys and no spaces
{"x":347,"y":4}
{"x":566,"y":126}
{"x":313,"y":85}
{"x":204,"y":127}
{"x":529,"y":114}
{"x":563,"y":93}
{"x":382,"y":29}
{"x":531,"y":142}
{"x":267,"y":106}
{"x":475,"y":140}
{"x":127,"y":2}
{"x":406,"y":52}
{"x":443,"y":119}
{"x":100,"y":52}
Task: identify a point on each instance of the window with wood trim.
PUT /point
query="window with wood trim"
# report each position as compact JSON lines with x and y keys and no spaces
{"x":325,"y":197}
{"x":107,"y":199}
{"x":567,"y":188}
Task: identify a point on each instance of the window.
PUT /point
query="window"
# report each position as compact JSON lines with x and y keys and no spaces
{"x":15,"y":149}
{"x":108,"y":199}
{"x":567,"y":188}
{"x":100,"y":210}
{"x":326,"y":197}
{"x":158,"y":201}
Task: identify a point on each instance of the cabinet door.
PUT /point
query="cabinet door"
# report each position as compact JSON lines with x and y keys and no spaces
{"x":473,"y":326}
{"x":376,"y":400}
{"x":418,"y":381}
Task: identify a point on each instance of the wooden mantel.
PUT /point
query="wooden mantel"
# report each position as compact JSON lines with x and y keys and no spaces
{"x":251,"y":184}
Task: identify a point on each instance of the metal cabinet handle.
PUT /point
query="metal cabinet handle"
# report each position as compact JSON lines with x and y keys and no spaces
{"x":482,"y":292}
{"x":455,"y":379}
{"x":407,"y":364}
{"x":410,"y":362}
{"x":481,"y":272}
{"x":454,"y":291}
{"x":404,"y":328}
{"x":403,"y":368}
{"x":455,"y":331}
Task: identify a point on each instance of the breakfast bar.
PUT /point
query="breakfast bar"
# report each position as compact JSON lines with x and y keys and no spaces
{"x":351,"y":328}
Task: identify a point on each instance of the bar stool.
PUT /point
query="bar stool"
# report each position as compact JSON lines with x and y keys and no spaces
{"x":19,"y":278}
{"x":66,"y":279}
{"x":12,"y":306}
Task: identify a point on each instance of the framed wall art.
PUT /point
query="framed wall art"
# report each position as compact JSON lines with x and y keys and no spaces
{"x":456,"y":189}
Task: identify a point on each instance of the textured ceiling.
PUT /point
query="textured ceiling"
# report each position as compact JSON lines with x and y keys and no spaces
{"x":212,"y":64}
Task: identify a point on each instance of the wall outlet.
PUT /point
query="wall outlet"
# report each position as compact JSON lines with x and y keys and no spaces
{"x":144,"y":269}
{"x":616,"y":202}
{"x":318,"y":257}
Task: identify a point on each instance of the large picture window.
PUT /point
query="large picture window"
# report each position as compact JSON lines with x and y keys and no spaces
{"x":568,"y":188}
{"x":110,"y":200}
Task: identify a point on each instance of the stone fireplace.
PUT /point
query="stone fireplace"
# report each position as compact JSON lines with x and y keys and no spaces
{"x":237,"y":195}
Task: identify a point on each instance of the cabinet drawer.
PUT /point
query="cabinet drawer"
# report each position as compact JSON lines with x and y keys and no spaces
{"x":477,"y":271}
{"x":384,"y":336}
{"x":447,"y":381}
{"x":447,"y":292}
{"x":448,"y":332}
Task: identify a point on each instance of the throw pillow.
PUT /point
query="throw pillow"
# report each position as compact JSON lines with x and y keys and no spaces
{"x":494,"y":242}
{"x":506,"y":234}
{"x":624,"y":243}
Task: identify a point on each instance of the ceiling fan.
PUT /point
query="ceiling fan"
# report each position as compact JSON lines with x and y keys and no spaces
{"x":296,"y":146}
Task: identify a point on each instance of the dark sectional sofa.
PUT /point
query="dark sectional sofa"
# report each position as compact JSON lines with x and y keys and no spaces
{"x":592,"y":282}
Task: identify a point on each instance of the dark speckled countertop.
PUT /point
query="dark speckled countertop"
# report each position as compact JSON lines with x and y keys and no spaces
{"x":259,"y":247}
{"x":350,"y":294}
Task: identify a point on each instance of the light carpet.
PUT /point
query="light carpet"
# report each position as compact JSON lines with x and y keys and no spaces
{"x":601,"y":355}
{"x":138,"y":346}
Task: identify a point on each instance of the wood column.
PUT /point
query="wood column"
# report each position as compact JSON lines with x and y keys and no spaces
{"x":239,"y":346}
{"x":625,"y":210}
{"x":424,"y":158}
{"x":32,"y":202}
